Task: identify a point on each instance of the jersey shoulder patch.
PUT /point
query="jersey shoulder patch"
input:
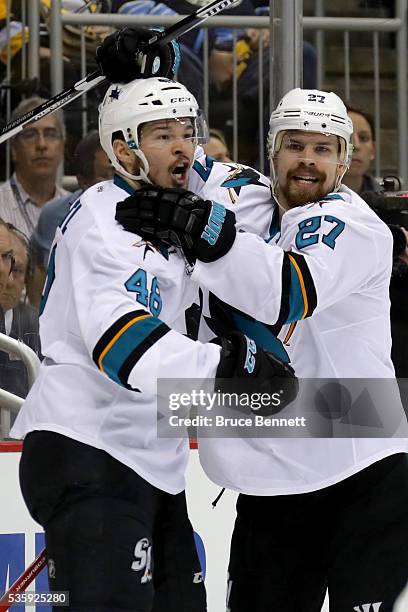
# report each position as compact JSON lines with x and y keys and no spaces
{"x":204,"y":167}
{"x":149,"y":247}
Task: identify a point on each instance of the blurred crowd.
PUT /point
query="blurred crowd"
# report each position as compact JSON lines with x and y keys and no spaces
{"x":228,"y":52}
{"x":33,"y":204}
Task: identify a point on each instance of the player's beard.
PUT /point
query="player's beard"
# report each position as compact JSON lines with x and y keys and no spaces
{"x":296,"y":195}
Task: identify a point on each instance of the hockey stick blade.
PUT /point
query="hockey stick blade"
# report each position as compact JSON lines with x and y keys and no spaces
{"x":92,"y":80}
{"x":23,"y":581}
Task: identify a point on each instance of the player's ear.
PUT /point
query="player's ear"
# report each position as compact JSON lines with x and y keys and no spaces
{"x":125,"y":155}
{"x":120,"y":148}
{"x":341,"y":171}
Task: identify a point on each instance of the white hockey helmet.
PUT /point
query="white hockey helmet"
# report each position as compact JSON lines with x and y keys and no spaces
{"x":311,"y":110}
{"x":126,"y":107}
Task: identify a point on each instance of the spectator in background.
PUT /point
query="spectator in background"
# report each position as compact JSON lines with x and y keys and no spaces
{"x":190,"y":70}
{"x":12,"y":37}
{"x":391,"y":209}
{"x":250,"y":45}
{"x":91,"y":166}
{"x":6,"y":254}
{"x":192,"y":43}
{"x":357,"y":176}
{"x":14,"y":291}
{"x":37,"y":152}
{"x":18,"y":320}
{"x":217,"y":146}
{"x":193,"y":39}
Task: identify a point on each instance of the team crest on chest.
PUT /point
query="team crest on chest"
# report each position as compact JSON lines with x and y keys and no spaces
{"x":238,"y":177}
{"x":153,"y":248}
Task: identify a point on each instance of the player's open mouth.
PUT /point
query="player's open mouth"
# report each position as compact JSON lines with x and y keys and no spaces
{"x":305,"y":180}
{"x":179,"y":172}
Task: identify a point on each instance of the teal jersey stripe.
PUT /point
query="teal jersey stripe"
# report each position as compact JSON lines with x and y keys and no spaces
{"x":263,"y":337}
{"x":126,"y":344}
{"x":237,"y":182}
{"x":332,"y":196}
{"x":275,"y":225}
{"x":296,"y":302}
{"x":49,"y":280}
{"x":204,"y":173}
{"x":120,"y":182}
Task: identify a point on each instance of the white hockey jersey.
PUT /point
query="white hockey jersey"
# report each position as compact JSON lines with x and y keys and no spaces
{"x":109,"y":302}
{"x":239,"y":188}
{"x":331,"y":259}
{"x":244,"y":191}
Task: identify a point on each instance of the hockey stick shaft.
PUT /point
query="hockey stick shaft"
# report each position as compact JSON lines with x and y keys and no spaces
{"x":191,"y":21}
{"x":24,"y":580}
{"x":46,"y":108}
{"x":92,"y":80}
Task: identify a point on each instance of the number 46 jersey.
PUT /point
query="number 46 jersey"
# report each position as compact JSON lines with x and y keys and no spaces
{"x":109,"y":303}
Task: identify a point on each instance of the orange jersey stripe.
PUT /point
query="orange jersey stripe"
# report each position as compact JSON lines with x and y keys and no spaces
{"x":302,"y":285}
{"x":120,"y":332}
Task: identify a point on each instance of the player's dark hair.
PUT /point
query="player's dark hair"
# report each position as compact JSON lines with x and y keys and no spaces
{"x":118,"y":135}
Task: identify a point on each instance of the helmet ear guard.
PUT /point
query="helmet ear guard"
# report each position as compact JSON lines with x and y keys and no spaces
{"x":311,"y":110}
{"x":138,"y":153}
{"x":126,"y":107}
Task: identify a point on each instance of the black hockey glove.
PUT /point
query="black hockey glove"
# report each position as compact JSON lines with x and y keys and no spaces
{"x":121,"y":57}
{"x":202,"y":229}
{"x":242,"y":358}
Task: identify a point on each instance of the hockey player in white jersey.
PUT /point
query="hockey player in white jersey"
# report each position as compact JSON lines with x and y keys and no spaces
{"x":108,"y":492}
{"x":324,"y":512}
